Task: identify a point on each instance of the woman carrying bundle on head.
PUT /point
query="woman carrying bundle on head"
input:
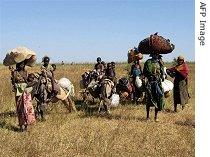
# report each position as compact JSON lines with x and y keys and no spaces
{"x":24,"y":108}
{"x":21,"y":57}
{"x":153,"y":71}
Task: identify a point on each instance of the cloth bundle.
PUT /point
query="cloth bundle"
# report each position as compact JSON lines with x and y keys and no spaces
{"x":67,"y":85}
{"x":167,"y":85}
{"x":134,"y":55}
{"x":18,"y":55}
{"x":115,"y":99}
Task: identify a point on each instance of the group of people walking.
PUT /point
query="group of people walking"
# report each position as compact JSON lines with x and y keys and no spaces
{"x":151,"y":75}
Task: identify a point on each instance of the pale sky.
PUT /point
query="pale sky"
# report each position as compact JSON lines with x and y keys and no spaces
{"x":80,"y":31}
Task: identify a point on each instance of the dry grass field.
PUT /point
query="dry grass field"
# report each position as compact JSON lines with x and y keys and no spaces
{"x":124,"y":133}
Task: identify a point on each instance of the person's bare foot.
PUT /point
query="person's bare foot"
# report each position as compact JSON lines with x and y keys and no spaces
{"x":157,"y":120}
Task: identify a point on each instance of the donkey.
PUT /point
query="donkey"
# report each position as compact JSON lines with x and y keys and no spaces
{"x":106,"y":93}
{"x":97,"y":90}
{"x":63,"y":95}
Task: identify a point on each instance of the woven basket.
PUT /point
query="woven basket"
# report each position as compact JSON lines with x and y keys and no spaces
{"x":155,"y":44}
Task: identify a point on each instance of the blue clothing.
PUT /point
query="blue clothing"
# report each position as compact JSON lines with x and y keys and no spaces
{"x":136,"y":72}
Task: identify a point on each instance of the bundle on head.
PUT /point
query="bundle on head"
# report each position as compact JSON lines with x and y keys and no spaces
{"x":155,"y":44}
{"x":133,"y":55}
{"x":18,"y":55}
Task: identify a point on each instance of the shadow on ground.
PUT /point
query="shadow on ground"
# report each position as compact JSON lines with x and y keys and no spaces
{"x":4,"y":125}
{"x":187,"y":122}
{"x":7,"y":114}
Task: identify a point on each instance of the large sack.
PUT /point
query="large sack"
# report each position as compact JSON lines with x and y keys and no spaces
{"x":134,"y":55}
{"x":155,"y":44}
{"x":18,"y":55}
{"x":167,"y":85}
{"x":138,"y":82}
{"x":67,"y":85}
{"x":115,"y":99}
{"x":63,"y":94}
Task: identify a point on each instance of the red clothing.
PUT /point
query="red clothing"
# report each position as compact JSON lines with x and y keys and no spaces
{"x":180,"y":91}
{"x":182,"y":69}
{"x":25,"y":110}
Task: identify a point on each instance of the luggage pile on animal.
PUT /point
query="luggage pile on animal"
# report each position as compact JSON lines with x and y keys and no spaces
{"x":92,"y":88}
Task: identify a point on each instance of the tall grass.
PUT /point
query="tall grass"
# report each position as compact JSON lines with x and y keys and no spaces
{"x":124,"y":133}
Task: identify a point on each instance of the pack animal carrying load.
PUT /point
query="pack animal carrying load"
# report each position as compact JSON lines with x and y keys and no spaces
{"x":155,"y":44}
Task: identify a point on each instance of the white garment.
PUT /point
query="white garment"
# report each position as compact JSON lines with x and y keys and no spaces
{"x":167,"y":85}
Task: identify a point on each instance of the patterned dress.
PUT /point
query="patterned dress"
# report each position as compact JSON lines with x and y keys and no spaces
{"x":24,"y":107}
